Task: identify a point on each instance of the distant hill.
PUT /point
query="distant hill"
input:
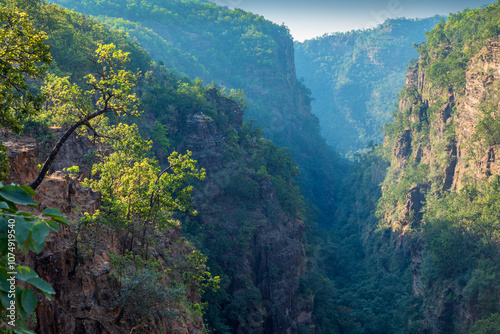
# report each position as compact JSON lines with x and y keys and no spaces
{"x":355,"y":78}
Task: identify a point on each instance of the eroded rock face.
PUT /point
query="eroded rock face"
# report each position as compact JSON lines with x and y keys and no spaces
{"x":86,"y":292}
{"x":402,"y":150}
{"x":270,"y":262}
{"x":456,"y":156}
{"x":483,"y":72}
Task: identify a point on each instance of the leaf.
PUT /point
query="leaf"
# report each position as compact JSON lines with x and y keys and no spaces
{"x":23,"y":229}
{"x":4,"y":299}
{"x":34,"y":246}
{"x":55,"y":215}
{"x":17,"y":195}
{"x":53,"y":225}
{"x":19,"y":309}
{"x":25,"y":273}
{"x":4,"y":284}
{"x":22,"y":331}
{"x":29,"y":275}
{"x":52,"y":212}
{"x":24,"y":214}
{"x":43,"y":286}
{"x":28,"y":300}
{"x":40,"y":231}
{"x":28,"y":189}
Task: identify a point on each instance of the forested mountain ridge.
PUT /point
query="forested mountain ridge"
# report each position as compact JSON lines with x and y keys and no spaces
{"x":239,"y":50}
{"x":415,"y":247}
{"x":355,"y":78}
{"x":439,"y":201}
{"x":124,"y":264}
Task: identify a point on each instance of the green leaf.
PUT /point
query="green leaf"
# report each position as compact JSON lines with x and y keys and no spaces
{"x":25,"y":273}
{"x":35,"y":246}
{"x":28,"y":300}
{"x":28,"y":189}
{"x":17,"y":195}
{"x":22,"y":331}
{"x":24,"y":214}
{"x":43,"y":286}
{"x":52,"y":212}
{"x":19,"y":309}
{"x":61,"y":220}
{"x":56,"y":215}
{"x":23,"y":229}
{"x":53,"y":225}
{"x":4,"y":299}
{"x":29,"y":275}
{"x":40,"y":231}
{"x":4,"y":284}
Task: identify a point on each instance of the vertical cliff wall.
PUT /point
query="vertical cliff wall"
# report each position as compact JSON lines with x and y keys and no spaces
{"x":443,"y":147}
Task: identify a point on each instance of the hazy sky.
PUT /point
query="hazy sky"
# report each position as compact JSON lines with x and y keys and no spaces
{"x":310,"y":18}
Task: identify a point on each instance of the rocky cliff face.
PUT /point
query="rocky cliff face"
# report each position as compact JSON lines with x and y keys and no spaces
{"x":457,"y":114}
{"x":440,"y":147}
{"x":259,"y":246}
{"x":287,"y":106}
{"x":255,"y":242}
{"x":76,"y":261}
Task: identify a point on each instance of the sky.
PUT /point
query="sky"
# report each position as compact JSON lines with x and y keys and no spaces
{"x":307,"y":19}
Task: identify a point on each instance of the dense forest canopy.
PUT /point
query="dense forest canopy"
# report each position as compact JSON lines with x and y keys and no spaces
{"x":217,"y":228}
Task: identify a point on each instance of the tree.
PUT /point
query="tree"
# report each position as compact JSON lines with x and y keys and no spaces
{"x":23,"y":57}
{"x":110,"y":92}
{"x":134,"y":189}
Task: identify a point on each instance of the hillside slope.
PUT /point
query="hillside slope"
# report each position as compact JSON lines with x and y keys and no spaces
{"x":250,"y":218}
{"x":355,"y":78}
{"x":415,"y":246}
{"x":239,"y":50}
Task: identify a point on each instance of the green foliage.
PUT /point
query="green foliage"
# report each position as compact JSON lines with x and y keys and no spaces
{"x":464,"y":226}
{"x":397,"y":186}
{"x":361,"y":283}
{"x":452,"y":43}
{"x":197,"y":276}
{"x":4,"y":163}
{"x":21,"y":231}
{"x":23,"y":57}
{"x":243,"y":187}
{"x":133,"y":186}
{"x":160,"y":136}
{"x":239,"y":50}
{"x":144,"y":289}
{"x":488,"y":127}
{"x":490,"y":325}
{"x":110,"y":91}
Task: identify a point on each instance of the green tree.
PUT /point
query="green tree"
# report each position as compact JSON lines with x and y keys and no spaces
{"x":135,"y":191}
{"x":489,"y":325}
{"x":23,"y":57}
{"x":110,"y":92}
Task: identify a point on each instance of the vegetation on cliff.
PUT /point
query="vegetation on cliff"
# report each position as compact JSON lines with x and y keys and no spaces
{"x":438,"y":195}
{"x":238,"y":50}
{"x":142,"y":182}
{"x":409,"y":242}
